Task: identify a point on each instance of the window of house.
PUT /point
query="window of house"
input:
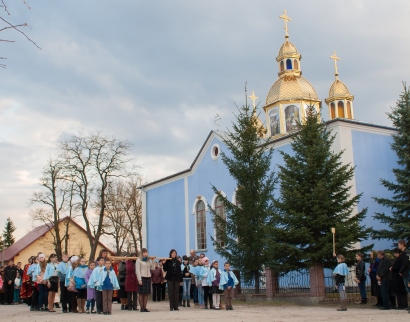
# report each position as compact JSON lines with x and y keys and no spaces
{"x":340,"y":109}
{"x":220,"y":211}
{"x":333,"y":110}
{"x":288,"y":64}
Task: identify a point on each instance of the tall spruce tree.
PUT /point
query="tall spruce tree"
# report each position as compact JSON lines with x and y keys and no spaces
{"x":399,"y":221}
{"x":239,"y":237}
{"x":8,"y":238}
{"x":314,"y":197}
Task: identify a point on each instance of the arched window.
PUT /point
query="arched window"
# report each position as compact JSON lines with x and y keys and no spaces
{"x":288,"y":64}
{"x":220,"y":226}
{"x":200,"y":225}
{"x":349,"y":110}
{"x":295,"y":64}
{"x":282,"y":66}
{"x":340,"y":109}
{"x":332,"y":110}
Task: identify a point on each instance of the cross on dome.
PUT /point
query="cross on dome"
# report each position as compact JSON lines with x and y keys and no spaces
{"x":253,"y":98}
{"x":285,"y":18}
{"x":335,"y":58}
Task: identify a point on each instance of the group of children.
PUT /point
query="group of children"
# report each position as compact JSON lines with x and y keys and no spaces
{"x":89,"y":288}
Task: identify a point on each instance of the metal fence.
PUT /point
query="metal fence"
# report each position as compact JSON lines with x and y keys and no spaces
{"x":294,"y":282}
{"x":249,"y":286}
{"x":350,"y":285}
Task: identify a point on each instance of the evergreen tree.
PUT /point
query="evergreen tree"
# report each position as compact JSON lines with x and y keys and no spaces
{"x":314,"y":197}
{"x":399,"y":220}
{"x":239,"y":237}
{"x":8,"y":238}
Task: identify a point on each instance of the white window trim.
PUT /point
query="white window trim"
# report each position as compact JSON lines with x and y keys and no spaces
{"x":196,"y":232}
{"x":213,"y":207}
{"x":215,"y":157}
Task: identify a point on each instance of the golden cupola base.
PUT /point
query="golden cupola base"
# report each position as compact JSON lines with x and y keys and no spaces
{"x":291,"y":94}
{"x":339,"y":101}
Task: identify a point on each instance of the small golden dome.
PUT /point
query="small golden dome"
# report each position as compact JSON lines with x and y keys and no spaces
{"x":288,"y":49}
{"x":338,"y":88}
{"x":291,"y":88}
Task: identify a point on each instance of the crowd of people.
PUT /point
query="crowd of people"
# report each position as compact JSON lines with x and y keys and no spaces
{"x":46,"y":284}
{"x":389,"y":277}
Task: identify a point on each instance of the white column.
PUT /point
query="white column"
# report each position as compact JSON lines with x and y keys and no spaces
{"x":144,"y":218}
{"x":186,"y":215}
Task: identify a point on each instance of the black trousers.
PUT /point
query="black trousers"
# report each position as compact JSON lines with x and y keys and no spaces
{"x":8,"y":293}
{"x":98,"y":301}
{"x":385,"y":293}
{"x":132,"y":300}
{"x":402,"y":301}
{"x":207,"y":296}
{"x":163,"y":287}
{"x":173,"y":294}
{"x":156,"y":292}
{"x":63,"y":296}
{"x":34,"y":298}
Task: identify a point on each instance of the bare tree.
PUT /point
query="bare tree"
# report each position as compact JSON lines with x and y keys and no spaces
{"x":94,"y":161}
{"x":54,"y":197}
{"x":6,"y":25}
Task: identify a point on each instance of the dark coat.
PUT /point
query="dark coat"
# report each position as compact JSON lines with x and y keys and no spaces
{"x":173,"y":269}
{"x":122,"y":273}
{"x":360,"y":273}
{"x":131,"y":281}
{"x":384,"y":269}
{"x":397,"y":283}
{"x":405,"y":265}
{"x":10,"y":273}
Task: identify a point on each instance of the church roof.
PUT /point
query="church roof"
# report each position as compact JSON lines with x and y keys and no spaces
{"x":291,"y":88}
{"x":287,"y":48}
{"x":263,"y":141}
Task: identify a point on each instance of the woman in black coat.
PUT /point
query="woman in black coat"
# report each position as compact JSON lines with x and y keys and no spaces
{"x":172,"y":267}
{"x":398,"y":286}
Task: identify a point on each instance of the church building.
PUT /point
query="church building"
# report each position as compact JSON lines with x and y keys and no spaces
{"x":176,"y":208}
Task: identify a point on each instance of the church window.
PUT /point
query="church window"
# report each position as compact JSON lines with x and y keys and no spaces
{"x":220,"y":211}
{"x":349,"y":110}
{"x":340,"y":109}
{"x":332,"y":111}
{"x":200,"y":225}
{"x":215,"y":151}
{"x":282,"y":66}
{"x":295,"y":64}
{"x":288,"y":64}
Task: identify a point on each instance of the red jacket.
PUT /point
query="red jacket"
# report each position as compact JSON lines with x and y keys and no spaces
{"x":131,"y":281}
{"x":157,"y":276}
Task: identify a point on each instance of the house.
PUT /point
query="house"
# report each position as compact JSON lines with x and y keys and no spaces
{"x":40,"y":239}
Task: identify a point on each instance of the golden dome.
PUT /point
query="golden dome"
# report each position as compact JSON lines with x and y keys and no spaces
{"x":260,"y":129}
{"x":291,"y":88}
{"x":287,"y":49}
{"x":338,"y":89}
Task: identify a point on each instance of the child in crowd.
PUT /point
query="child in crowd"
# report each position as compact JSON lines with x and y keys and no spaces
{"x":80,"y":284}
{"x":213,"y":281}
{"x":198,"y":281}
{"x":108,"y":282}
{"x":51,"y":280}
{"x":17,"y":287}
{"x":92,"y":282}
{"x":163,"y":281}
{"x":205,"y":286}
{"x":70,"y":283}
{"x":90,"y":290}
{"x":186,"y":286}
{"x":143,"y":267}
{"x":227,"y":283}
{"x":34,"y":297}
{"x":39,"y":278}
{"x":62,"y":270}
{"x":340,"y":273}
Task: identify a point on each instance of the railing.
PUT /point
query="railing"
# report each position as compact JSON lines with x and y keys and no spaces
{"x":250,"y":288}
{"x":294,"y":282}
{"x":351,"y":286}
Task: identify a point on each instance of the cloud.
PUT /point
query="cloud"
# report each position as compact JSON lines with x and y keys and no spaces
{"x":156,"y":73}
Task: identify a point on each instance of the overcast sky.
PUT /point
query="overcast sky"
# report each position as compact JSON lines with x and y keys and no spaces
{"x":157,"y":72}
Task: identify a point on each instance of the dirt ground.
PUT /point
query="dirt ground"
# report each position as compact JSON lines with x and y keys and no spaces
{"x":242,"y":312}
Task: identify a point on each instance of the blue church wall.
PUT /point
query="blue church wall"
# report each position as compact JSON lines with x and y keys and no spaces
{"x":374,"y":160}
{"x":165,"y":218}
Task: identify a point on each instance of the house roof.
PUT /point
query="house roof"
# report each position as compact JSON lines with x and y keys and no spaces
{"x":263,"y":141}
{"x":31,"y":237}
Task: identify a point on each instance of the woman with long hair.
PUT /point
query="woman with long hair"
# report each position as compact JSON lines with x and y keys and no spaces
{"x":143,"y":267}
{"x":172,"y":267}
{"x":42,"y":288}
{"x":51,"y":279}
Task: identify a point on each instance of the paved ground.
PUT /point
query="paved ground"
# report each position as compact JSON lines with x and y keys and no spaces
{"x":242,"y":312}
